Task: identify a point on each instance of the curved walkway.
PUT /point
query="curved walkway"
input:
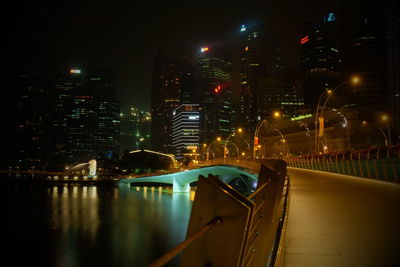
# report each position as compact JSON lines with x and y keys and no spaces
{"x":339,"y":220}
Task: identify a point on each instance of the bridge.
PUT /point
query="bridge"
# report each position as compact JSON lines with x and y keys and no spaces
{"x":180,"y":181}
{"x":333,"y":219}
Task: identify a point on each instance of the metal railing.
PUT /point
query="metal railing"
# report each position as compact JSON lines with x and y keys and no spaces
{"x":381,"y":164}
{"x":228,"y":229}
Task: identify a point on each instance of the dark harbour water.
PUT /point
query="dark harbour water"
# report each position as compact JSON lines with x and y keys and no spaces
{"x":74,"y":225}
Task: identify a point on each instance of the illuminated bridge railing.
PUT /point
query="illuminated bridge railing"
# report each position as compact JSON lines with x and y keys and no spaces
{"x":378,"y":163}
{"x":226,"y":228}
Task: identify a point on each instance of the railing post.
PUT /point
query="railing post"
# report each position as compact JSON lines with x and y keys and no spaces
{"x":222,"y":246}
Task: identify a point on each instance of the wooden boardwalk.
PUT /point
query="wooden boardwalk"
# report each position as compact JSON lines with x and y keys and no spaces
{"x":338,"y":220}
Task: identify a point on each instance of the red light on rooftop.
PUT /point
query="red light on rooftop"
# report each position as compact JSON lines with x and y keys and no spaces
{"x":304,"y":40}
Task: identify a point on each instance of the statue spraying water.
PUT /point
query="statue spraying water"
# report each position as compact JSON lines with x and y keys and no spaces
{"x":92,"y":167}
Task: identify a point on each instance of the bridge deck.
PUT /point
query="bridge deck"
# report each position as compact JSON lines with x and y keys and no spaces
{"x":338,"y":220}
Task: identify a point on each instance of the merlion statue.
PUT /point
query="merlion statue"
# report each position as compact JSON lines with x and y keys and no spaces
{"x":92,"y":167}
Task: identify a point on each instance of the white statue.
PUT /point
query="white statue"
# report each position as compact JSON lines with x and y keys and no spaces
{"x":92,"y":167}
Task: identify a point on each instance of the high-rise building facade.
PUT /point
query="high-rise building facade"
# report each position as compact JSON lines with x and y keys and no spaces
{"x":186,"y":129}
{"x":81,"y":122}
{"x":85,"y":122}
{"x":370,"y":31}
{"x":320,"y":55}
{"x":102,"y":81}
{"x":63,"y":94}
{"x":253,"y":67}
{"x":213,"y":83}
{"x":281,"y":93}
{"x":172,"y":85}
{"x":31,"y":119}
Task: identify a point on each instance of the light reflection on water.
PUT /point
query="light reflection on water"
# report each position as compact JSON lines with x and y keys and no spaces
{"x":98,"y":226}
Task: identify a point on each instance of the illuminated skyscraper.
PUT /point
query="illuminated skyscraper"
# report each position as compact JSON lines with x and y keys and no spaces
{"x":320,"y":55}
{"x":64,"y":86}
{"x":253,"y":67}
{"x":186,"y":129}
{"x":86,"y":117}
{"x":279,"y":93}
{"x":213,"y":83}
{"x":102,"y":82}
{"x":171,"y":86}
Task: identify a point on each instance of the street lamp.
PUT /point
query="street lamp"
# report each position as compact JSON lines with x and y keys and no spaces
{"x":318,"y":116}
{"x":239,"y":130}
{"x":283,"y":140}
{"x":276,"y":114}
{"x":385,"y":119}
{"x":365,"y":123}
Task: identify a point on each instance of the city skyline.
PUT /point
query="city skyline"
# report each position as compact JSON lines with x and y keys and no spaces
{"x":125,"y":37}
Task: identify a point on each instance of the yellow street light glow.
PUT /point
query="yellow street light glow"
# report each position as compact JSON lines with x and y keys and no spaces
{"x":240,"y":130}
{"x":384,"y":117}
{"x":329,"y":91}
{"x":243,"y":153}
{"x":218,"y":138}
{"x":355,"y":79}
{"x":204,"y":145}
{"x":283,"y":141}
{"x":277,"y":114}
{"x":259,"y":146}
{"x":364,"y":122}
{"x":193,"y":150}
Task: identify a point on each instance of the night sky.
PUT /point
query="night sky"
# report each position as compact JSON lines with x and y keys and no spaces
{"x":125,"y":35}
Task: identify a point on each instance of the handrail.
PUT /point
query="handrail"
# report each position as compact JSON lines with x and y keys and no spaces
{"x":173,"y":252}
{"x":277,"y":257}
{"x":272,"y":229}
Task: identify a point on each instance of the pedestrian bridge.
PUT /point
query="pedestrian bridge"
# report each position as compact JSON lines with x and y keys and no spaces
{"x":180,"y":181}
{"x":333,"y":219}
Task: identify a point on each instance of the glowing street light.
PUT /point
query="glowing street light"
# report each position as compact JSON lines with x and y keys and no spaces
{"x":365,"y":123}
{"x":239,"y":130}
{"x":276,"y":115}
{"x":385,"y":119}
{"x":319,"y":115}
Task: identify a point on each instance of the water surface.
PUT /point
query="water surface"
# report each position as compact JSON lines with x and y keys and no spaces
{"x":91,"y":226}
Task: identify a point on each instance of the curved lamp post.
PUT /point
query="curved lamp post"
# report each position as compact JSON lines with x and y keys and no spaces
{"x":276,"y":114}
{"x":380,"y":129}
{"x":239,"y":130}
{"x":318,"y":116}
{"x":283,"y":140}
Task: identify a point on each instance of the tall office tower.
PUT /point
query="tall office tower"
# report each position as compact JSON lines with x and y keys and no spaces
{"x":82,"y":124}
{"x":253,"y":67}
{"x":85,"y":123}
{"x":31,"y":114}
{"x":64,"y":86}
{"x":371,"y":49}
{"x":101,"y":82}
{"x":320,"y":56}
{"x":213,"y":81}
{"x":186,"y":129}
{"x":280,"y":93}
{"x":172,"y":79}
